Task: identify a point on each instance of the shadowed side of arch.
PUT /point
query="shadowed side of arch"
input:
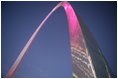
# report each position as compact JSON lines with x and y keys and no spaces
{"x":81,"y":59}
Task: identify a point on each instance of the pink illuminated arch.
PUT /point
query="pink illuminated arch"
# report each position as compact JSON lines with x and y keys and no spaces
{"x":76,"y":40}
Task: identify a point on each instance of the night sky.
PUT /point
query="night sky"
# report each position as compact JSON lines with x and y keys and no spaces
{"x":49,"y":55}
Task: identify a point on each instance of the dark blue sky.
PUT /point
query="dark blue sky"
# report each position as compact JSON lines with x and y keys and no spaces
{"x":49,"y":55}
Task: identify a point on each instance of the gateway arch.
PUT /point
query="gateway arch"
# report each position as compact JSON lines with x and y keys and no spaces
{"x":86,"y":54}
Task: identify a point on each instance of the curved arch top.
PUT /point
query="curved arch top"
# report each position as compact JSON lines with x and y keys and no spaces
{"x":81,"y":59}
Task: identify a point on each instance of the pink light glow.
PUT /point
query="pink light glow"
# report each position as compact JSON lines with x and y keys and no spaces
{"x":74,"y":26}
{"x":76,"y":36}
